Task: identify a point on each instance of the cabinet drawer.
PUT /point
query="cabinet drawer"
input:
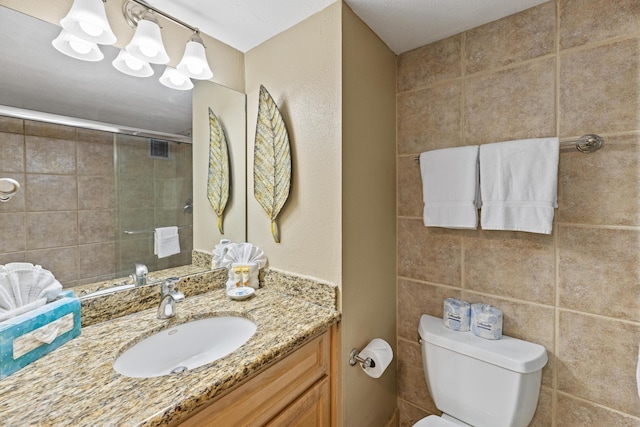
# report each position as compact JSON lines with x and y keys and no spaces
{"x":312,"y":409}
{"x":260,"y":399}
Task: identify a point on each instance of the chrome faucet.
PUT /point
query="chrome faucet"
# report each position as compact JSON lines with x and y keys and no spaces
{"x":140,"y":275}
{"x":169,"y":297}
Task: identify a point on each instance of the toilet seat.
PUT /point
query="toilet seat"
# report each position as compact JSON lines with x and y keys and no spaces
{"x":434,"y":421}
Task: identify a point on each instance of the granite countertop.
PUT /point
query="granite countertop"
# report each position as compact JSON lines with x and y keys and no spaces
{"x":76,"y":385}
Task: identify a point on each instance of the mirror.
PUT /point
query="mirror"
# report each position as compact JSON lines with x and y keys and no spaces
{"x":131,"y":113}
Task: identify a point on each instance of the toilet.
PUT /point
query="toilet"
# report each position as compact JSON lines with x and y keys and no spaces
{"x":477,"y":382}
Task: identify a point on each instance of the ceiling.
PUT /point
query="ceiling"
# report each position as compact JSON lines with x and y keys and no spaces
{"x":402,"y":24}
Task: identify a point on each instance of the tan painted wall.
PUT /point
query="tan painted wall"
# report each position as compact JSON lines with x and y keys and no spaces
{"x":229,"y":106}
{"x":301,"y":70}
{"x":226,"y":62}
{"x":335,"y":83}
{"x":368,"y":217}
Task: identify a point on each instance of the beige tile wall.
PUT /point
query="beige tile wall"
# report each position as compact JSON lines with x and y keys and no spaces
{"x":564,"y":68}
{"x":64,"y":216}
{"x":68,"y":213}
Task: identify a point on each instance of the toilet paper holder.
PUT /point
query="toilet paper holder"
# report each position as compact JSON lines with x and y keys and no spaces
{"x":365,"y":363}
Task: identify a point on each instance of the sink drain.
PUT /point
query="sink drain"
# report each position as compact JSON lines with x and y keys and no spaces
{"x":178,"y":370}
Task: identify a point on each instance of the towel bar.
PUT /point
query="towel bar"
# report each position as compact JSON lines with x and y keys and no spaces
{"x":151,"y":230}
{"x":585,"y":144}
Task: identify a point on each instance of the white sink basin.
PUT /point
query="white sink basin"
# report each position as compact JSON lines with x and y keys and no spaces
{"x":184,"y":347}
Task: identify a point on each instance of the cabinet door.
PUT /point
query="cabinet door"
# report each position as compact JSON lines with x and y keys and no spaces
{"x":312,"y":409}
{"x":263,"y":397}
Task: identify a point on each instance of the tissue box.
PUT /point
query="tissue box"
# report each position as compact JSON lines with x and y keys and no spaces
{"x":29,"y":336}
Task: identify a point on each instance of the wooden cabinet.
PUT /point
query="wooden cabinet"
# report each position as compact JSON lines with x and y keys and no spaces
{"x":296,"y":391}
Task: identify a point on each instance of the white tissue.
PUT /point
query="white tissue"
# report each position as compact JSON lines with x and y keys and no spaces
{"x":457,"y":314}
{"x":486,"y":321}
{"x":25,"y":287}
{"x":219,"y":251}
{"x":245,"y":254}
{"x":381,"y":353}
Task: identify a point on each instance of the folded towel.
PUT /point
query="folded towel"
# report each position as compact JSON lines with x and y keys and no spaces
{"x":25,"y":287}
{"x":166,"y":242}
{"x":450,"y":188}
{"x":519,"y":184}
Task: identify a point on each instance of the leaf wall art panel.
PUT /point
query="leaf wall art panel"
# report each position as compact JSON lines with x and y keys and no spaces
{"x":271,"y":160}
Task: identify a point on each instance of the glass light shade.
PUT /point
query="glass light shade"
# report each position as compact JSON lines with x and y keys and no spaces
{"x":146,"y":44}
{"x":126,"y":63}
{"x":194,"y":62}
{"x":87,"y":20}
{"x":77,"y":48}
{"x":175,"y":80}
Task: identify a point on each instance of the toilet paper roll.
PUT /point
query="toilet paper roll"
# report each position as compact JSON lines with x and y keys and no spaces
{"x":486,"y":321}
{"x":381,"y":353}
{"x":456,"y":314}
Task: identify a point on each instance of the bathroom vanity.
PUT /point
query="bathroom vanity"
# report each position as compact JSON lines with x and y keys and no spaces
{"x":280,"y":376}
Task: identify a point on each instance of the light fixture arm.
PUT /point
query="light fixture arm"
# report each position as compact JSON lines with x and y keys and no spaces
{"x":133,"y":14}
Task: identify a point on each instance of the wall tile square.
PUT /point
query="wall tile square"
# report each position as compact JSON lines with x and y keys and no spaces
{"x":525,"y":35}
{"x":51,"y":229}
{"x":136,"y":191}
{"x":429,"y":64}
{"x":6,"y":258}
{"x":51,"y":193}
{"x":52,"y":156}
{"x":512,"y":264}
{"x":429,"y":119}
{"x":590,"y":21}
{"x":11,"y":125}
{"x":600,"y":89}
{"x":96,"y":226}
{"x":96,"y":260}
{"x":598,"y":360}
{"x":13,"y":232}
{"x":512,"y":104}
{"x":409,"y":191}
{"x":416,"y":299}
{"x":95,"y":158}
{"x":578,"y":413}
{"x":412,"y":385}
{"x":49,"y":130}
{"x":585,"y":184}
{"x":11,"y":152}
{"x":410,"y":414}
{"x":429,"y":254}
{"x":62,"y":262}
{"x":96,"y":192}
{"x":544,"y":411}
{"x":600,"y":271}
{"x":133,"y":156}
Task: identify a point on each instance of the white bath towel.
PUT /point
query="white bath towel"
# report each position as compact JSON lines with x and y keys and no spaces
{"x":450,"y":188}
{"x":166,"y":242}
{"x":519,"y":185}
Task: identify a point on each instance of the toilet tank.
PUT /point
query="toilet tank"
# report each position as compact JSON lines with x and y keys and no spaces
{"x":485,"y":383}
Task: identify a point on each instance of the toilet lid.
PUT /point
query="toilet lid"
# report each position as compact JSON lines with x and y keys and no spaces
{"x":434,"y":421}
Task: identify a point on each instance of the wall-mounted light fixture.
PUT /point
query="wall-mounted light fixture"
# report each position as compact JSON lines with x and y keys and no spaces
{"x":86,"y":26}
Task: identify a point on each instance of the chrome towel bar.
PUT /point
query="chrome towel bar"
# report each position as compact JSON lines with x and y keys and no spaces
{"x":585,"y":144}
{"x":151,"y":230}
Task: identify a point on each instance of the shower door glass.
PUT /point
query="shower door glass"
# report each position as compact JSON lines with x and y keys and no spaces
{"x":153,"y":189}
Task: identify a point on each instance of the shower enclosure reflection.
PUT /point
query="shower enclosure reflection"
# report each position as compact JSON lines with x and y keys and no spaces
{"x":153,"y":189}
